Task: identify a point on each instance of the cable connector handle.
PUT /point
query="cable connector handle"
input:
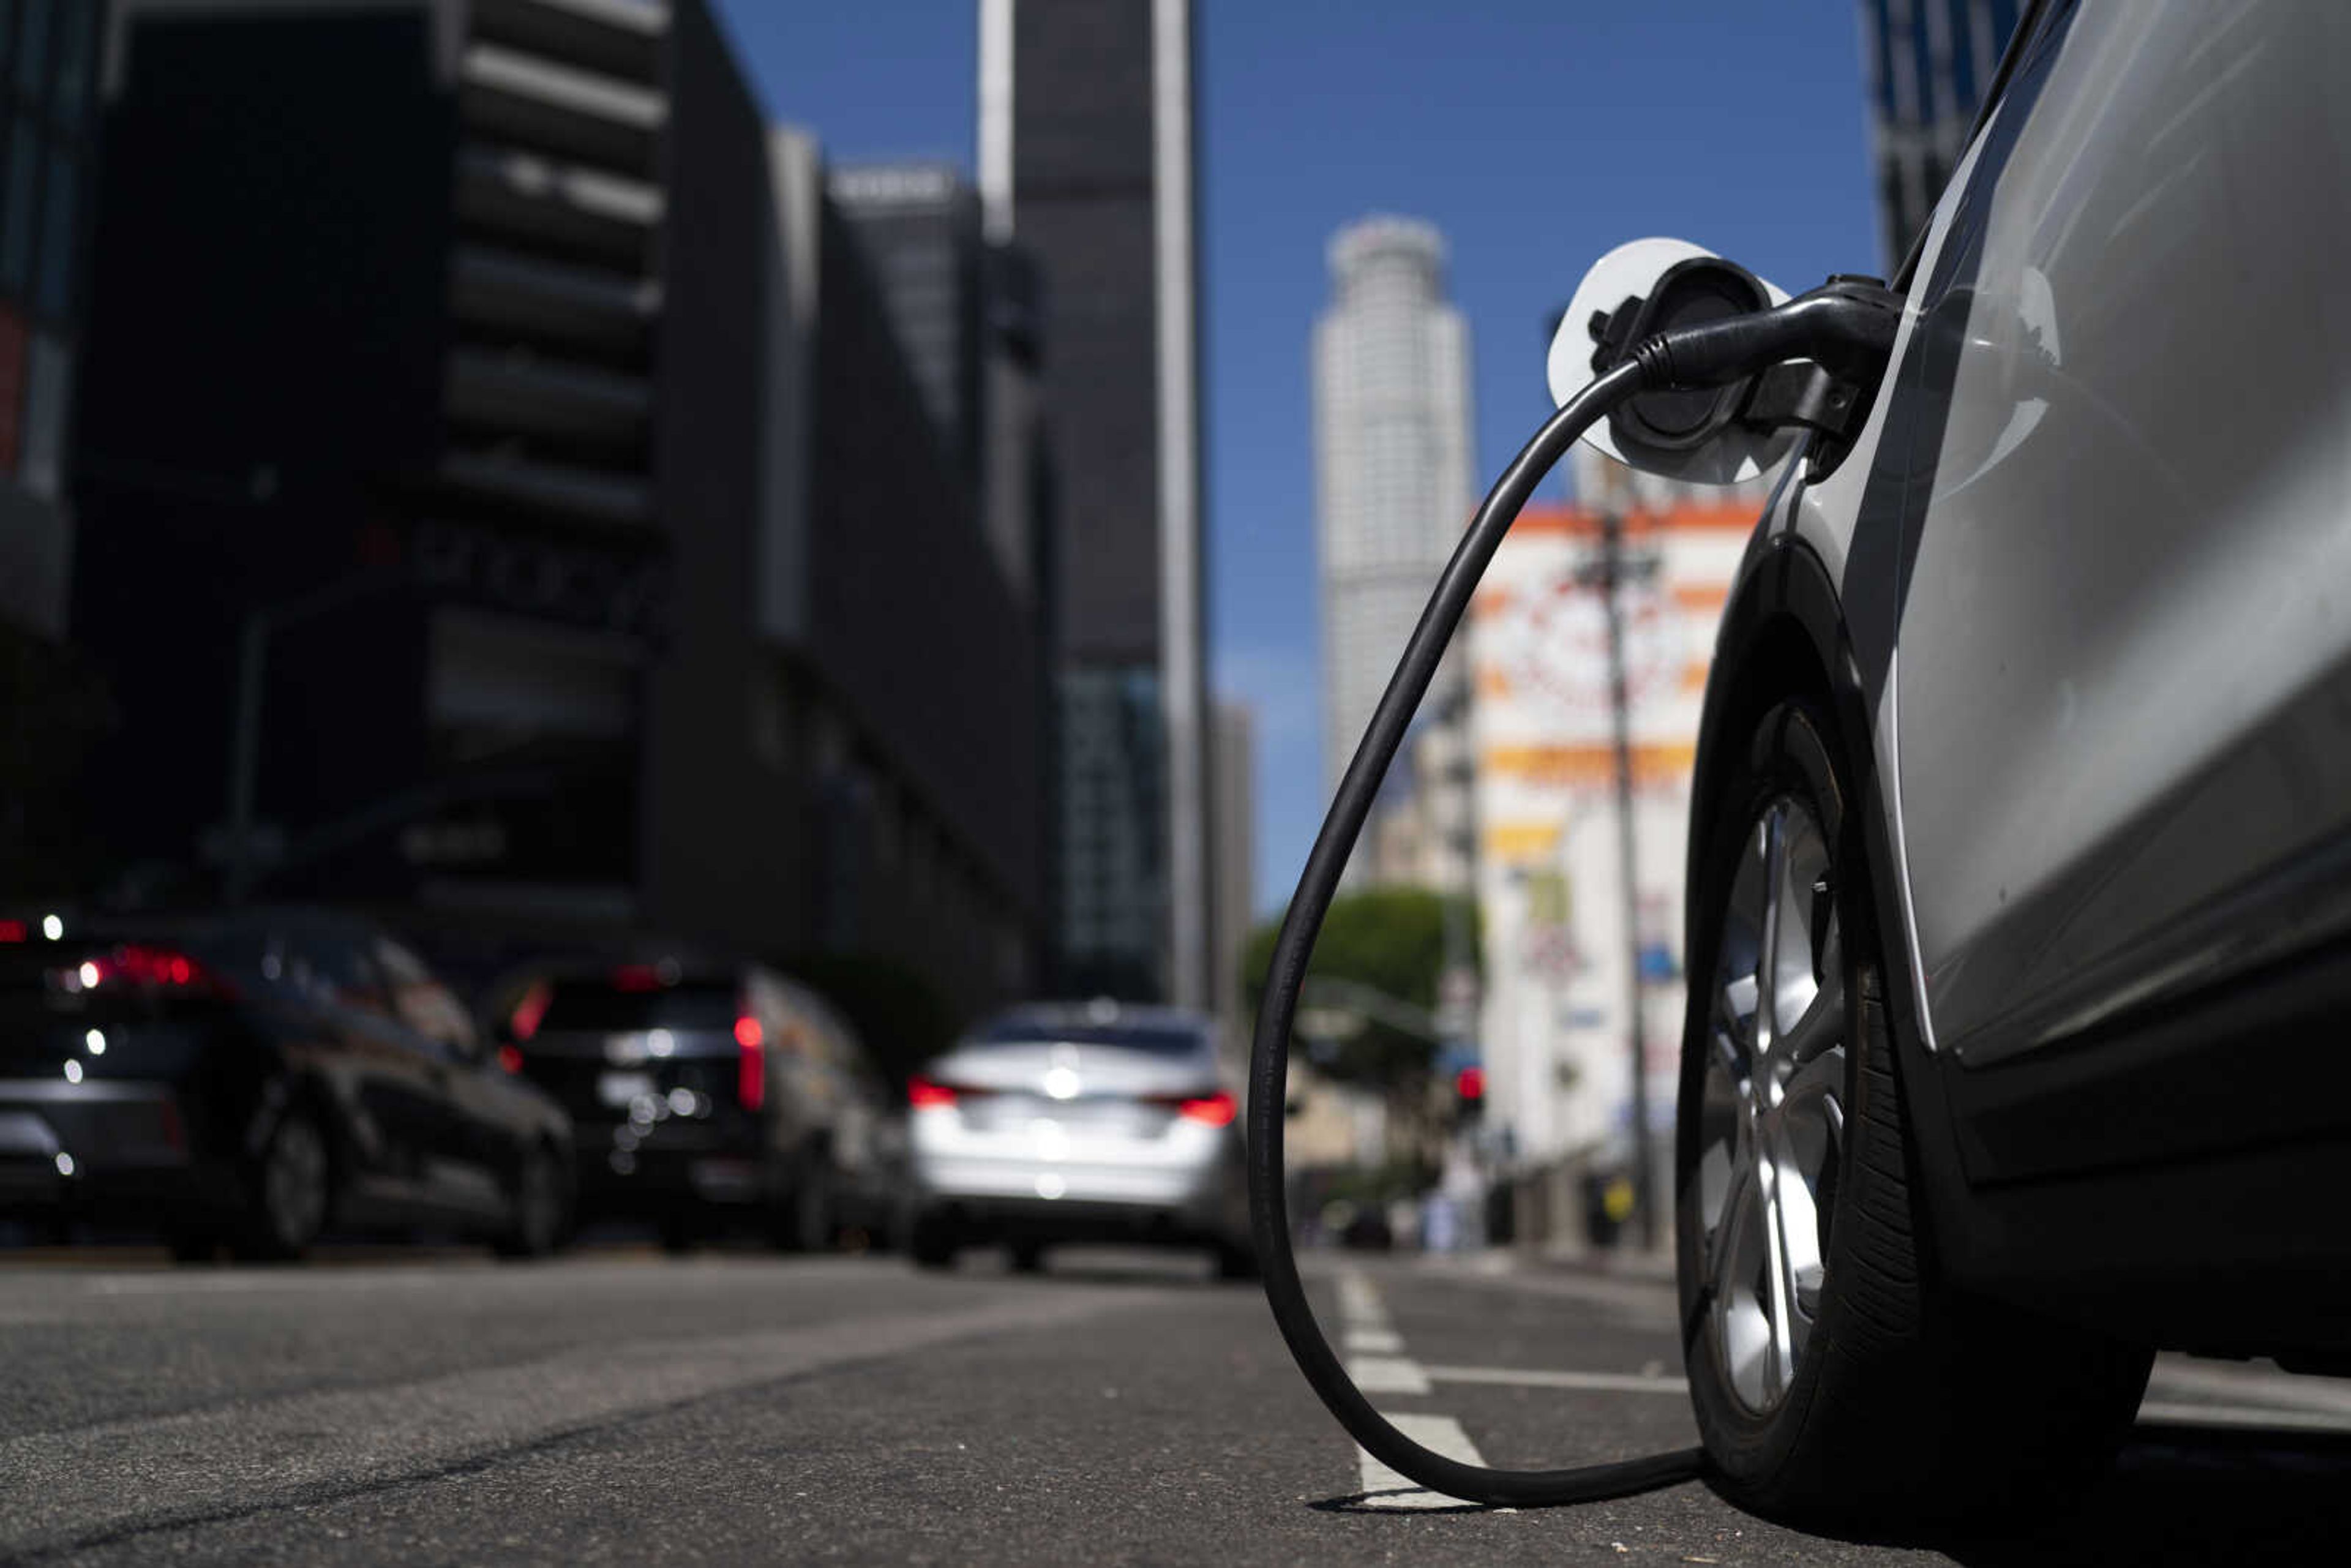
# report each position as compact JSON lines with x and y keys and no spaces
{"x":1847,"y":327}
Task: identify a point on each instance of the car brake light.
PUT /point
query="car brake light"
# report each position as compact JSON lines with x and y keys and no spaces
{"x":922,"y":1094}
{"x":637,"y":977}
{"x":751,"y":1066}
{"x":510,"y":1059}
{"x":12,"y":930}
{"x":530,"y":1012}
{"x":1216,"y":1110}
{"x":153,"y":968}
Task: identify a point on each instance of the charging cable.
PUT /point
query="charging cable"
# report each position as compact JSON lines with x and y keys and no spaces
{"x":1846,"y":330}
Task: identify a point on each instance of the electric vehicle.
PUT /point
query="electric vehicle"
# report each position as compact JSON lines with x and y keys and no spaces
{"x":1094,"y":1121}
{"x":2020,"y":879}
{"x":2019,"y":890}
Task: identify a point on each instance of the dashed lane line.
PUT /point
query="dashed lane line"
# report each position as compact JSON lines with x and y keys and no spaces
{"x":1383,"y":1488}
{"x":1531,"y":1377}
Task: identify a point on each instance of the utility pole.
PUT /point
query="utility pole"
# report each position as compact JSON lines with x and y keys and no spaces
{"x":1612,"y":578}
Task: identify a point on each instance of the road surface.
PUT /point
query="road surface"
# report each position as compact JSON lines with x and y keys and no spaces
{"x":622,"y":1406}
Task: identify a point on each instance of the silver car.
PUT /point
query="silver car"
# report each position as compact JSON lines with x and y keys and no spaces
{"x":2019,"y":883}
{"x":1092,"y":1122}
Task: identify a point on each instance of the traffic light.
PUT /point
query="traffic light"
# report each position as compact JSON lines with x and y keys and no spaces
{"x":1469,"y":1093}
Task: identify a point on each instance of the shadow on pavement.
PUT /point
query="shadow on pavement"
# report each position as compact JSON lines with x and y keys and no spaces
{"x":2197,"y":1494}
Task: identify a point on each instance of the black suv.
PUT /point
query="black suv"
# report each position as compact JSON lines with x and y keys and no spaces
{"x":254,"y":1077}
{"x":710,"y":1095}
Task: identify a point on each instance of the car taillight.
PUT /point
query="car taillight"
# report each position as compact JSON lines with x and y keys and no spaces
{"x":751,"y":1063}
{"x":530,"y":1011}
{"x":510,"y":1059}
{"x":1216,"y":1110}
{"x":150,"y":968}
{"x":922,"y":1093}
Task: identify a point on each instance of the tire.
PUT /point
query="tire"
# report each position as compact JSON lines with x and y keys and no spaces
{"x":1026,"y":1257}
{"x":931,"y":1242}
{"x":293,"y":1191}
{"x":807,"y":1222}
{"x":679,"y":1232}
{"x":541,"y":1207}
{"x":1836,"y":1378}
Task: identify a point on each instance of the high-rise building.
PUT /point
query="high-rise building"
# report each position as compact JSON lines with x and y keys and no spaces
{"x":50,"y":708}
{"x":48,"y":70}
{"x":515,"y":442}
{"x":1085,"y":153}
{"x":1392,"y":462}
{"x":1929,"y":63}
{"x":918,"y":225}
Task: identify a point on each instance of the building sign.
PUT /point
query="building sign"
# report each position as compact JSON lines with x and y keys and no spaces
{"x":579,"y":585}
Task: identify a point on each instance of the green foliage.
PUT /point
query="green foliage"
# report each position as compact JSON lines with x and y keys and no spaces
{"x":1390,"y":939}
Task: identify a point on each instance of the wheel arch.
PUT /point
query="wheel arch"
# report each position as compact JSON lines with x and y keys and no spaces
{"x":1784,"y":636}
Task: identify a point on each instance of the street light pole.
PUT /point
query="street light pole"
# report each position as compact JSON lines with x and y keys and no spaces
{"x":1612,"y":575}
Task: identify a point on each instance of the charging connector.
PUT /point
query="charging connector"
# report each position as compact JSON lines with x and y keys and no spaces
{"x":1846,"y":329}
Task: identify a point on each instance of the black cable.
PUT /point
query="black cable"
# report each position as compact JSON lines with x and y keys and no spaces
{"x":1269,"y":1060}
{"x":1847,"y":326}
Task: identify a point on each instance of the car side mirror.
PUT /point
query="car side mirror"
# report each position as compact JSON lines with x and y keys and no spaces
{"x":1647,"y":286}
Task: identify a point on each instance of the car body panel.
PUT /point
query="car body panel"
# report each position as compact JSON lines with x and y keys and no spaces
{"x":2142,"y":462}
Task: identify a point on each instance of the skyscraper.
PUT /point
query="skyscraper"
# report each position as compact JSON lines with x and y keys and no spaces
{"x":1085,"y":145}
{"x":1392,"y":461}
{"x":1927,"y":63}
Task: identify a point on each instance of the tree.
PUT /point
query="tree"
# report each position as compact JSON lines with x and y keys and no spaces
{"x":1393,"y":940}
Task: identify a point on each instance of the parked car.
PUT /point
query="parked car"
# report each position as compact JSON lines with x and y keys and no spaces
{"x":2018,"y":893}
{"x":1092,"y":1122}
{"x":707,"y":1096}
{"x":256,"y":1078}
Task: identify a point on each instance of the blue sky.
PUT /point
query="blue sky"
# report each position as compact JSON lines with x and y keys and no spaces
{"x":1535,"y":135}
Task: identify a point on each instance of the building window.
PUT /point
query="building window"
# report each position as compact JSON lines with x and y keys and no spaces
{"x":58,"y":236}
{"x":32,"y":51}
{"x":16,"y":216}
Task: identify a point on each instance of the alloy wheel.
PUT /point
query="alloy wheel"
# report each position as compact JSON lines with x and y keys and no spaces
{"x":1771,"y":1114}
{"x":294,"y":1183}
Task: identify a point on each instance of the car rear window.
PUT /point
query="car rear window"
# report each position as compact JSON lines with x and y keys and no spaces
{"x":1155,"y":1040}
{"x":600,"y":1006}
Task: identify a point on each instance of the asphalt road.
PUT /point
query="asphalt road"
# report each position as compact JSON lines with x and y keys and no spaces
{"x":620,"y":1407}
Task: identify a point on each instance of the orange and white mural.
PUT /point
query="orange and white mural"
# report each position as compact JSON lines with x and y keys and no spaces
{"x":1555,"y":1017}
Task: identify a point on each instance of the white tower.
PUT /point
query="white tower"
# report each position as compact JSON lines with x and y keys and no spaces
{"x":1393,"y":472}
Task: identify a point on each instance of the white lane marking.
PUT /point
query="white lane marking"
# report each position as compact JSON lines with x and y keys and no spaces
{"x":2248,"y":1416}
{"x":1387,"y":1375}
{"x":2251,"y":1386}
{"x":1531,"y":1377}
{"x":1374,"y":1341}
{"x":1383,"y":1488}
{"x":1359,"y":1303}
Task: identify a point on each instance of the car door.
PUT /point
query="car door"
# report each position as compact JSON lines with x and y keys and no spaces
{"x":2125,"y":623}
{"x":473,"y":1150}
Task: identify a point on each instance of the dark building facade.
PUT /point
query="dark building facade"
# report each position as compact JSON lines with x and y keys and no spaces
{"x":50,"y":711}
{"x":1927,"y":63}
{"x":1086,"y":160}
{"x":451,"y":417}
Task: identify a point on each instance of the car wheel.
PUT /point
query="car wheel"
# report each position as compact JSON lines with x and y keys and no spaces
{"x":1834,"y":1376}
{"x":680,"y":1233}
{"x":932,"y":1241}
{"x":1026,"y":1257}
{"x":293,"y":1191}
{"x":807,"y":1222}
{"x":1236,"y":1260}
{"x":536,"y":1226}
